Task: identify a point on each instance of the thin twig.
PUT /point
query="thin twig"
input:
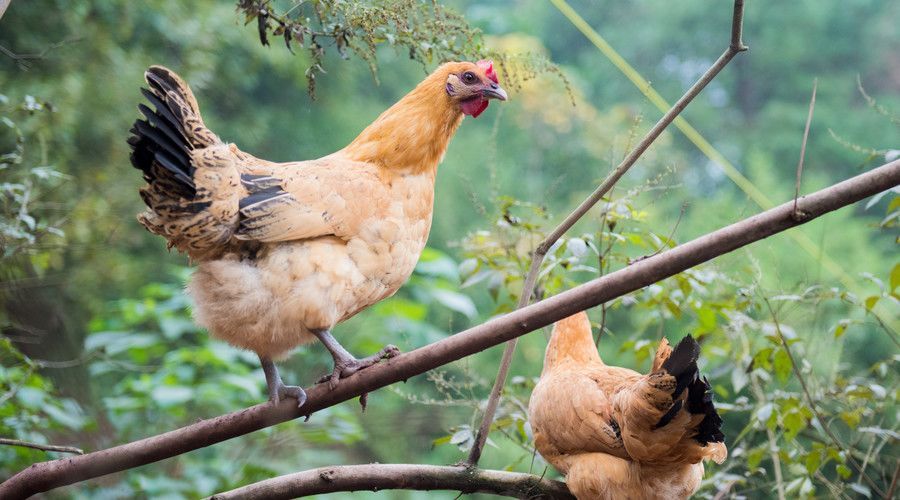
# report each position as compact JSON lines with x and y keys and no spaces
{"x":893,"y":487}
{"x":22,"y":59}
{"x":811,"y":402}
{"x":735,"y":47}
{"x":52,"y":474}
{"x":724,"y":491}
{"x":770,"y":436}
{"x":669,"y":238}
{"x":38,"y":446}
{"x":812,"y":106}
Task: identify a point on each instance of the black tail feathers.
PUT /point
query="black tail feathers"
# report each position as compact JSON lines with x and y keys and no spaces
{"x":682,"y":364}
{"x":700,"y":400}
{"x":160,"y":148}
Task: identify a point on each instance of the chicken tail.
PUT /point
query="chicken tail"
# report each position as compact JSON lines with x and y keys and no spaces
{"x":670,"y":416}
{"x":187,"y":168}
{"x":681,"y":363}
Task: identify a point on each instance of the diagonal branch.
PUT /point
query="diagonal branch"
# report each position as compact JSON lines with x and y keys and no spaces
{"x":48,"y":475}
{"x":735,"y":46}
{"x":377,"y":477}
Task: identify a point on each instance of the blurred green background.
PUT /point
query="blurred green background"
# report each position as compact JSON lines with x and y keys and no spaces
{"x":98,"y":346}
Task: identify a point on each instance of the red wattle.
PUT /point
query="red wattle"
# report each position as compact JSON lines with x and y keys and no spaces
{"x":473,"y":107}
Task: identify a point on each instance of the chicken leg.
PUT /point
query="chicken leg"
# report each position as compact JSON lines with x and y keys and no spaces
{"x":345,"y":364}
{"x":277,"y":389}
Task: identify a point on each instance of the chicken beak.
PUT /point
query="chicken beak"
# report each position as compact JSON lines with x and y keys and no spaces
{"x":493,"y":91}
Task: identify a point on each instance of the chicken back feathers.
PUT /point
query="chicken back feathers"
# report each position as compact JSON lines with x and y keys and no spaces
{"x":287,"y":248}
{"x":616,"y":433}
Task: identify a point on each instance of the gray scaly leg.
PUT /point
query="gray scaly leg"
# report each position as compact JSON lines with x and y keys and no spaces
{"x":277,"y":389}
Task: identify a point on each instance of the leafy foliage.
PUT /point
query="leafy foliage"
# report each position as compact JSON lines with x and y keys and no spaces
{"x":428,"y":31}
{"x":31,"y":410}
{"x":25,"y":177}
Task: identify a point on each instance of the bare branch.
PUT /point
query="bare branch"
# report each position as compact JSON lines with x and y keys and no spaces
{"x":812,"y":106}
{"x":48,"y":475}
{"x":38,"y":446}
{"x":735,"y":46}
{"x":377,"y":477}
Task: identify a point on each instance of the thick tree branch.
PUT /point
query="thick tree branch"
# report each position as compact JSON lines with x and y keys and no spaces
{"x":47,"y":475}
{"x":735,"y":46}
{"x":376,"y":477}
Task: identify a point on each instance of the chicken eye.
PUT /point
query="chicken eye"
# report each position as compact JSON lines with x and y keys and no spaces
{"x":469,"y":77}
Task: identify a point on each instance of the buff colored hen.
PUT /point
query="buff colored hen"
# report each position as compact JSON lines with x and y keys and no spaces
{"x":615,"y":433}
{"x":285,"y":251}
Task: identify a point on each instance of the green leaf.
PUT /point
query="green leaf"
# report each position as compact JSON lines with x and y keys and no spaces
{"x":763,"y":359}
{"x":861,"y":489}
{"x":456,"y":302}
{"x":793,"y":423}
{"x":707,"y":317}
{"x":813,"y":460}
{"x":843,"y":471}
{"x":871,"y":301}
{"x":467,"y":268}
{"x":70,"y":416}
{"x":782,"y":364}
{"x":754,"y":457}
{"x":31,"y":397}
{"x":436,"y":263}
{"x":168,"y":395}
{"x":739,"y":379}
{"x":764,"y":414}
{"x":895,"y":277}
{"x":840,"y":328}
{"x":403,"y":308}
{"x":851,"y":417}
{"x":463,"y":438}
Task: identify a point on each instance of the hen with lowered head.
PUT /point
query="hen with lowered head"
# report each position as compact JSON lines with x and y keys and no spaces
{"x":285,"y":251}
{"x":615,"y":433}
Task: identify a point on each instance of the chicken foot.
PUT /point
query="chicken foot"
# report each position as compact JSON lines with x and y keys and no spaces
{"x":345,"y":364}
{"x":277,"y":389}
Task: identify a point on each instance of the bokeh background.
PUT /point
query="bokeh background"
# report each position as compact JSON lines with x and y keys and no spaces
{"x":98,"y":345}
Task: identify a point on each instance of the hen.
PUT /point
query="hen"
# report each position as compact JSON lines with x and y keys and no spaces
{"x":285,"y":251}
{"x":615,"y":433}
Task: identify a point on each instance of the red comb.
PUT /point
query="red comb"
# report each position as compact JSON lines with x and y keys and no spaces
{"x":488,"y":66}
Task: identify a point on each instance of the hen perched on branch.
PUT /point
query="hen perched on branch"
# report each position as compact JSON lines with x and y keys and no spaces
{"x":288,"y":250}
{"x":615,"y":433}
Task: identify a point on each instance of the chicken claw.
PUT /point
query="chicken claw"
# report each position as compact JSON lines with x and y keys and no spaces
{"x":345,"y":368}
{"x":277,"y":389}
{"x":345,"y":364}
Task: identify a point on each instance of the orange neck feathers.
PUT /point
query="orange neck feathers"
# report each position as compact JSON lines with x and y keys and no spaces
{"x":571,"y":341}
{"x":413,"y":134}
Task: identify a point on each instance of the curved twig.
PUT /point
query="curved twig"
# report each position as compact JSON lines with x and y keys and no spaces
{"x":48,"y":475}
{"x":376,"y":477}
